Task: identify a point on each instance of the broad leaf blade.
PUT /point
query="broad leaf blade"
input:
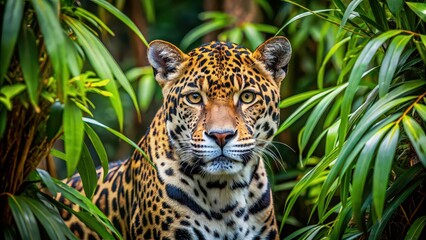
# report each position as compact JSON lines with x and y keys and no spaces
{"x":419,"y":9}
{"x":73,"y":135}
{"x":416,"y":228}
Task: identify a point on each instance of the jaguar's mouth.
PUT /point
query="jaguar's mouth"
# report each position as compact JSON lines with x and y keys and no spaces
{"x":222,"y":165}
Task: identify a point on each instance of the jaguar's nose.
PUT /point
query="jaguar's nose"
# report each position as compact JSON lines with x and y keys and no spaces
{"x":221,"y":137}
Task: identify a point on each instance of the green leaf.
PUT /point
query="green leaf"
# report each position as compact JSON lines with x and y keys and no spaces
{"x":358,"y":70}
{"x":76,"y":198}
{"x":148,"y":7}
{"x":47,"y":180}
{"x":416,"y":228}
{"x":361,"y":172}
{"x":202,"y":30}
{"x":253,"y":36}
{"x":95,"y":52}
{"x":348,"y":12}
{"x":146,"y":90}
{"x":99,"y":148}
{"x":302,"y":15}
{"x":55,"y":41}
{"x":417,"y":137}
{"x":28,"y":57}
{"x":419,"y":9}
{"x":377,"y":228}
{"x":304,"y":108}
{"x":390,"y":62}
{"x":9,"y":91}
{"x":122,"y":17}
{"x":330,"y":54}
{"x":421,"y":110}
{"x":24,"y":218}
{"x":12,"y":18}
{"x":395,"y":6}
{"x":382,"y":168}
{"x":317,"y":113}
{"x":290,"y":101}
{"x":73,"y":135}
{"x":120,"y":135}
{"x":49,"y":219}
{"x":93,"y":18}
{"x":87,"y":170}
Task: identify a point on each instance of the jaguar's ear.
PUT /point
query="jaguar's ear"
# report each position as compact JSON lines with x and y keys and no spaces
{"x":274,"y":54}
{"x":166,"y":59}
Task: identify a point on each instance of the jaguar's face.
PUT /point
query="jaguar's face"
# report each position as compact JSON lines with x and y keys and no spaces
{"x":221,"y":101}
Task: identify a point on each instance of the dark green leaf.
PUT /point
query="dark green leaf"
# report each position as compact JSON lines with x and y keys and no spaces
{"x":361,"y":172}
{"x":99,"y":147}
{"x":358,"y":70}
{"x":377,"y":228}
{"x":47,"y":180}
{"x":24,"y":218}
{"x":87,"y":170}
{"x":55,"y":41}
{"x":390,"y":62}
{"x":395,"y":6}
{"x":12,"y":18}
{"x":73,"y":135}
{"x":28,"y":57}
{"x":416,"y":228}
{"x":382,"y":168}
{"x":49,"y":219}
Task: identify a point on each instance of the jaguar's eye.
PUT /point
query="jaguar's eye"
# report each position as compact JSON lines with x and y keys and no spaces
{"x":194,"y":98}
{"x":247,"y":97}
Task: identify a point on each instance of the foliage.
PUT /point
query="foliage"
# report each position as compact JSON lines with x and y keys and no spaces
{"x":44,"y":46}
{"x":362,"y":146}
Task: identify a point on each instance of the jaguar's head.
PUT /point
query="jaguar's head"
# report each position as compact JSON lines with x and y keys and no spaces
{"x":220,"y":100}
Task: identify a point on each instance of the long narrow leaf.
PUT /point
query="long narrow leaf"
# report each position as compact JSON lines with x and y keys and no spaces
{"x":12,"y":18}
{"x":421,"y":110}
{"x":360,"y":174}
{"x":99,"y":147}
{"x":28,"y":57}
{"x":358,"y":70}
{"x":416,"y":228}
{"x":87,"y":170}
{"x":417,"y":137}
{"x":73,"y":135}
{"x":122,"y":17}
{"x":118,"y":134}
{"x":382,"y":167}
{"x":92,"y":46}
{"x":24,"y":218}
{"x":317,"y":114}
{"x":390,"y":62}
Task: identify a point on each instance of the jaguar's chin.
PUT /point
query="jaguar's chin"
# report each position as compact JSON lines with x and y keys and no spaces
{"x":222,"y":165}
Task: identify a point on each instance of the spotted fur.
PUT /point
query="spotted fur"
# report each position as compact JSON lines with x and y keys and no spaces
{"x":208,"y":180}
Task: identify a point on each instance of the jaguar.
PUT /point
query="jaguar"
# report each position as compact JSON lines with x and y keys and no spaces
{"x":203,"y":175}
